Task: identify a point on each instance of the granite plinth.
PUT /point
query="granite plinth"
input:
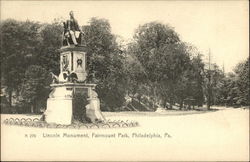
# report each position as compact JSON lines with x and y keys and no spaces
{"x":59,"y":111}
{"x":73,"y":101}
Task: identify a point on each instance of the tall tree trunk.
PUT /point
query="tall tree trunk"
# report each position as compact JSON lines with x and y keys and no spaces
{"x":154,"y":98}
{"x":165,"y":102}
{"x":209,"y":97}
{"x":32,"y":108}
{"x":171,"y":101}
{"x":181,"y":104}
{"x":10,"y":98}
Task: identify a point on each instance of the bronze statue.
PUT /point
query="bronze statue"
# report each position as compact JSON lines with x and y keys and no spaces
{"x":72,"y":34}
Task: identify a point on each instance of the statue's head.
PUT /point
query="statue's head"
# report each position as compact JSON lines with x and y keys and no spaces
{"x":71,"y":14}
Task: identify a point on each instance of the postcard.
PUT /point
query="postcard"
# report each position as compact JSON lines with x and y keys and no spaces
{"x":124,"y":80}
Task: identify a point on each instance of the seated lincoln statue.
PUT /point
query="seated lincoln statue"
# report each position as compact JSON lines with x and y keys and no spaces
{"x":72,"y":34}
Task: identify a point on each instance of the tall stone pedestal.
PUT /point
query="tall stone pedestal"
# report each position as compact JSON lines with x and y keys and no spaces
{"x":73,"y":101}
{"x":73,"y":60}
{"x":71,"y":98}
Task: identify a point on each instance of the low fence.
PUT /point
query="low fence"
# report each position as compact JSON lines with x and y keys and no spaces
{"x":29,"y":122}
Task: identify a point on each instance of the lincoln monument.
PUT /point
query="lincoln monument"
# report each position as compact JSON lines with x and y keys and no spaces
{"x":71,"y":98}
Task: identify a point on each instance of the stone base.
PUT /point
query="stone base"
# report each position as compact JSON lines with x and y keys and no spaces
{"x":73,"y":101}
{"x":59,"y":111}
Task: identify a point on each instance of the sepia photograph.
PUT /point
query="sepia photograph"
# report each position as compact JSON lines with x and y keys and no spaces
{"x":124,"y":80}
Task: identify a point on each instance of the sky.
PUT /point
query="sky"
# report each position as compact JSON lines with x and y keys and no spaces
{"x":221,"y":26}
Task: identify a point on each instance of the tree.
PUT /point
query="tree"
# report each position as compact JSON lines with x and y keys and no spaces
{"x":105,"y":63}
{"x":51,"y":40}
{"x":164,"y":58}
{"x":135,"y":72}
{"x":231,"y":89}
{"x":242,"y":82}
{"x":197,"y":73}
{"x":35,"y":88}
{"x":19,"y":42}
{"x":228,"y":91}
{"x":190,"y":84}
{"x":213,"y":81}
